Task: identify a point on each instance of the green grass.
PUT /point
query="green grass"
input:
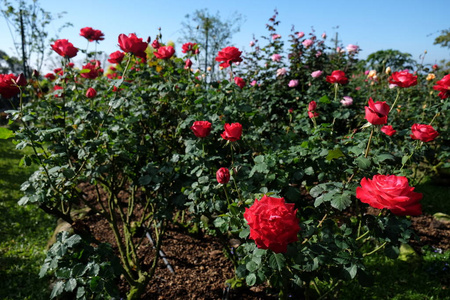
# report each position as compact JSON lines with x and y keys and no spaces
{"x":24,"y":232}
{"x":421,"y":279}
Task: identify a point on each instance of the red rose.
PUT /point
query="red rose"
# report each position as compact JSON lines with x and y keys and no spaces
{"x":377,"y":112}
{"x":50,"y":76}
{"x":239,"y":81}
{"x":201,"y":129}
{"x":156,"y":44}
{"x":223,"y":175}
{"x":64,"y":48}
{"x":273,"y":223}
{"x":9,"y":84}
{"x":188,"y":64}
{"x":312,"y":114}
{"x":443,"y":86}
{"x":403,"y":79}
{"x":387,"y":129}
{"x":165,"y":52}
{"x":92,"y":34}
{"x":91,"y":69}
{"x":133,"y":44}
{"x":116,"y":57}
{"x":91,"y":93}
{"x":190,"y":47}
{"x":228,"y":55}
{"x":232,"y":132}
{"x":337,"y":76}
{"x":423,"y":132}
{"x":391,"y":192}
{"x":312,"y":106}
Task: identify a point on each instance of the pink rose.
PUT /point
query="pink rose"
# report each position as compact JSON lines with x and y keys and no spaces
{"x":307,"y":43}
{"x":391,"y":192}
{"x":316,"y":74}
{"x":300,"y":34}
{"x":276,"y":57}
{"x":281,"y":72}
{"x":273,"y":223}
{"x":352,"y":48}
{"x":275,"y":36}
{"x":293,"y":83}
{"x":347,"y":101}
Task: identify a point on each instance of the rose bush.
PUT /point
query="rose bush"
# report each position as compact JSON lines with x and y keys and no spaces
{"x":138,"y":143}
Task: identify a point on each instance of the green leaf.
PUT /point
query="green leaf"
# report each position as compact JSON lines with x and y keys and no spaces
{"x":363,"y":162}
{"x":325,"y":99}
{"x":335,"y":153}
{"x":277,"y":261}
{"x":352,"y":270}
{"x":252,"y":266}
{"x":5,"y":133}
{"x":57,"y":289}
{"x":250,"y":279}
{"x":341,"y":201}
{"x":71,"y":284}
{"x":80,"y":292}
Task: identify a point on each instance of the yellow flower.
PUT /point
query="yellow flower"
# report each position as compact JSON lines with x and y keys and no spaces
{"x":388,"y":70}
{"x":431,"y":76}
{"x":372,"y":74}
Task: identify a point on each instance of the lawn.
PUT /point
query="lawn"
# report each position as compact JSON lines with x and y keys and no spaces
{"x":24,"y":232}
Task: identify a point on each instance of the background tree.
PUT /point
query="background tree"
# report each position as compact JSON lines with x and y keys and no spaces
{"x":27,"y":23}
{"x":9,"y":64}
{"x":395,"y":59}
{"x":211,"y":33}
{"x":444,"y":39}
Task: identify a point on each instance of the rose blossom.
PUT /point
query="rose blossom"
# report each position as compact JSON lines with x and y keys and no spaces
{"x":275,"y":36}
{"x":133,"y":44}
{"x":201,"y":129}
{"x":91,"y":69}
{"x":423,"y":132}
{"x":223,"y":175}
{"x":165,"y":52}
{"x":307,"y":43}
{"x":273,"y":223}
{"x":253,"y":83}
{"x":293,"y":83}
{"x":337,"y":76}
{"x":388,"y":130}
{"x":352,"y":48}
{"x":239,"y":82}
{"x":91,"y":93}
{"x":316,"y":74}
{"x":376,"y":113}
{"x":228,"y":55}
{"x":300,"y":34}
{"x":443,"y":86}
{"x":116,"y":57}
{"x":403,"y":79}
{"x":281,"y":72}
{"x":430,"y":76}
{"x":347,"y":101}
{"x":50,"y":76}
{"x":92,"y":34}
{"x":190,"y":48}
{"x":312,"y":106}
{"x":9,"y":84}
{"x":188,"y":64}
{"x":252,"y":43}
{"x":391,"y":192}
{"x":232,"y":132}
{"x":276,"y":57}
{"x":64,"y":48}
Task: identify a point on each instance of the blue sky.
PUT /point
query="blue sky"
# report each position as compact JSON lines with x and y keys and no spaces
{"x":405,"y":25}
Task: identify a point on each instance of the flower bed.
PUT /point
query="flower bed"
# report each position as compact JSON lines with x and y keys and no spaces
{"x":281,"y":156}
